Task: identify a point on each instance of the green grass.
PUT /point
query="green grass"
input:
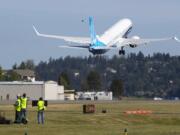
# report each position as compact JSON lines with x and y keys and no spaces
{"x":68,"y":119}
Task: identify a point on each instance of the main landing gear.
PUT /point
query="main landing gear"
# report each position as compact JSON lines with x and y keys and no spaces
{"x":121,"y":52}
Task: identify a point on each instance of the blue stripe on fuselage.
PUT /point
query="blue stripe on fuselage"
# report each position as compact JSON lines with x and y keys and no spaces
{"x":98,"y":43}
{"x":98,"y":48}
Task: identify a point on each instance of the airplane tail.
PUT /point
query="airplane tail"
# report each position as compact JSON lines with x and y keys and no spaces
{"x":92,"y":30}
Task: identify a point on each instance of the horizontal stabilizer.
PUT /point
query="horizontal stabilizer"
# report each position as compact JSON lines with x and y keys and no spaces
{"x":73,"y":47}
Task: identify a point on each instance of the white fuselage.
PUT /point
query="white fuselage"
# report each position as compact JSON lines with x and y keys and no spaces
{"x":118,"y":30}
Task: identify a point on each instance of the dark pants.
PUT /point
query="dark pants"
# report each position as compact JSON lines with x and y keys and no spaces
{"x":17,"y":117}
{"x":23,"y":113}
{"x":40,"y":117}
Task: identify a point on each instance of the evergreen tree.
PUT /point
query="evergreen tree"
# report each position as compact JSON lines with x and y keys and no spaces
{"x":94,"y":81}
{"x":64,"y":80}
{"x":22,"y":65}
{"x":28,"y":64}
{"x":117,"y":88}
{"x":14,"y":77}
{"x":14,"y":66}
{"x":1,"y":74}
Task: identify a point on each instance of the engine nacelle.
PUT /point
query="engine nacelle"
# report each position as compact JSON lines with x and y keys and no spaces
{"x":134,"y":45}
{"x":135,"y":37}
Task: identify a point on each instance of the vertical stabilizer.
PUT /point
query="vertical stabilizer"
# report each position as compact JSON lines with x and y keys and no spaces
{"x":92,"y":30}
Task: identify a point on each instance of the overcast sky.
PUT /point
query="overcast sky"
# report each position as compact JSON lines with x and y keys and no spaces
{"x":151,"y":19}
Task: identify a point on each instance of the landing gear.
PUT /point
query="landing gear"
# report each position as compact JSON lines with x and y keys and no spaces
{"x":121,"y":52}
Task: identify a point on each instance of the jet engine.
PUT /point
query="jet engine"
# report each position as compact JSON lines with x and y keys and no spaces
{"x":134,"y":45}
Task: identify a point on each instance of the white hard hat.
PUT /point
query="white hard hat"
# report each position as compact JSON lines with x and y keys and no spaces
{"x":18,"y":95}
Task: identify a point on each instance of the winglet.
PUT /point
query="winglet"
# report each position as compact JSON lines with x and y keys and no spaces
{"x":176,"y":39}
{"x":37,"y":33}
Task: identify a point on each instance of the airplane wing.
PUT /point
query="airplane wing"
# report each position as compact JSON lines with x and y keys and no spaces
{"x":74,"y":46}
{"x":79,"y":40}
{"x":128,"y":41}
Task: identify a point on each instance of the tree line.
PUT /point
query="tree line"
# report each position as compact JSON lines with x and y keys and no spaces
{"x":132,"y":75}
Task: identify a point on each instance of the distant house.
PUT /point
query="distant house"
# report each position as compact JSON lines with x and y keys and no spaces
{"x":25,"y":74}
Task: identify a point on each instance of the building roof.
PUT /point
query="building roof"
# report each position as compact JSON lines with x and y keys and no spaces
{"x":21,"y":82}
{"x":25,"y":72}
{"x":69,"y":91}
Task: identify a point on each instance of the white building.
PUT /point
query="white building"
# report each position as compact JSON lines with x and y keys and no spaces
{"x":101,"y":95}
{"x":48,"y":90}
{"x":85,"y":95}
{"x":69,"y":94}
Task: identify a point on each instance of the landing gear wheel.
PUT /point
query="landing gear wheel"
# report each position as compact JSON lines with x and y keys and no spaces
{"x":121,"y":52}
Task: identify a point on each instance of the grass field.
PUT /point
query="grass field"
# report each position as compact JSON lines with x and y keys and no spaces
{"x":68,"y":119}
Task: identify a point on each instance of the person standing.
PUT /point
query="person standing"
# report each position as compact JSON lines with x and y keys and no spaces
{"x":18,"y":109}
{"x":24,"y":106}
{"x":125,"y":132}
{"x":41,"y":108}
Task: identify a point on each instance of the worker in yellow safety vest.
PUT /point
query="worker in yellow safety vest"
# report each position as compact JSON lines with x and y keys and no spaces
{"x":41,"y":108}
{"x":125,"y":132}
{"x":17,"y":106}
{"x":24,"y":101}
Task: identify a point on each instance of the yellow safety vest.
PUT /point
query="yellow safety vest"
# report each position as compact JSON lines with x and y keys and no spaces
{"x":23,"y":103}
{"x":18,"y":106}
{"x":40,"y":105}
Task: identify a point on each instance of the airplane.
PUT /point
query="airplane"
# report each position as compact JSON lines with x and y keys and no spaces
{"x":116,"y":37}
